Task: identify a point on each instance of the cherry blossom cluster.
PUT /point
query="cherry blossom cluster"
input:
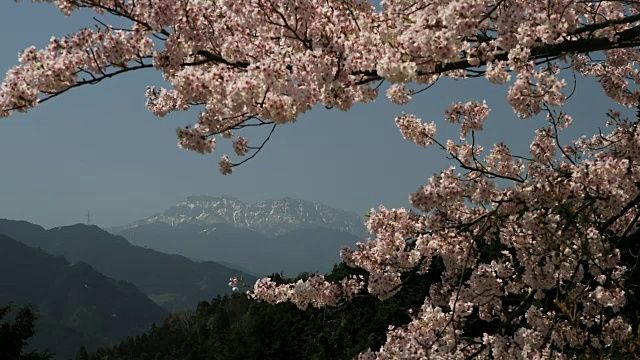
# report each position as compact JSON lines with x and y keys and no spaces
{"x":233,"y":283}
{"x":240,"y":145}
{"x":274,"y":60}
{"x":315,"y":291}
{"x":398,"y":94}
{"x":225,"y":165}
{"x":59,"y":66}
{"x":559,"y":226}
{"x":413,"y":130}
{"x":469,"y":115}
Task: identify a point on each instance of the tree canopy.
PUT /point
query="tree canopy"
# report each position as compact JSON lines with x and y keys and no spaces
{"x":15,"y":331}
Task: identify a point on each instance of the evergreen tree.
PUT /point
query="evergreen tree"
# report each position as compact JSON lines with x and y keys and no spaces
{"x":15,"y":332}
{"x":82,"y":354}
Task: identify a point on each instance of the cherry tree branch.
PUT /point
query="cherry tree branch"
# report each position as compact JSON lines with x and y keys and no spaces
{"x":626,"y":39}
{"x":94,"y":80}
{"x":259,"y":148}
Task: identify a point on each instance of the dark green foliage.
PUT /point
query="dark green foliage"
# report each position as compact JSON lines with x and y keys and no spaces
{"x":82,"y":354}
{"x":236,"y":327}
{"x":173,"y":281}
{"x":76,"y":304}
{"x":14,"y":334}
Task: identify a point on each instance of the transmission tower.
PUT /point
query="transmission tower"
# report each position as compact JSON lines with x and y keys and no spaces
{"x":88,"y":217}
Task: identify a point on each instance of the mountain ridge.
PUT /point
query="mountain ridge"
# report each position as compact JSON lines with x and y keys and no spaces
{"x":76,"y":304}
{"x":172,"y":281}
{"x":267,"y":217}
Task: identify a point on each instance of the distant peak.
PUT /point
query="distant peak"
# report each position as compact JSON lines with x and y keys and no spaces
{"x":269,"y":217}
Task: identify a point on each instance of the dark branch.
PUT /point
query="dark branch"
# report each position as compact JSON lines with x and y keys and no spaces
{"x":258,"y":149}
{"x":626,"y":39}
{"x":93,"y":80}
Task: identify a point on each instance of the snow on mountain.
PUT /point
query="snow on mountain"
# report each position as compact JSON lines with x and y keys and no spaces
{"x":269,"y":217}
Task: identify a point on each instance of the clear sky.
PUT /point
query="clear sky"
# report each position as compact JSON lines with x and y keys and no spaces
{"x":99,"y":149}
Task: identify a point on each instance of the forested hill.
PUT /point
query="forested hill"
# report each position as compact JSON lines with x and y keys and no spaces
{"x":172,"y":281}
{"x":76,"y":305}
{"x":239,"y":328}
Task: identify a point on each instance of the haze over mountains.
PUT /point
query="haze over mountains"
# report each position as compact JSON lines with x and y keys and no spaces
{"x":286,"y":235}
{"x":76,"y":305}
{"x":172,"y":281}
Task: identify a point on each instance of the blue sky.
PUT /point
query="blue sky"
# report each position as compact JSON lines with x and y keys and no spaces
{"x":98,"y":148}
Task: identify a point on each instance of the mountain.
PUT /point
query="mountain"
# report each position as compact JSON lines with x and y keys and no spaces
{"x":269,"y":217}
{"x":238,"y":328}
{"x":172,"y":281}
{"x":77,"y":305}
{"x":286,"y":235}
{"x":302,"y":250}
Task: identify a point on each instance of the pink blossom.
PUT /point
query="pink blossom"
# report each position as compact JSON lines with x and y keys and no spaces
{"x":225,"y":165}
{"x":240,"y":146}
{"x":413,"y":130}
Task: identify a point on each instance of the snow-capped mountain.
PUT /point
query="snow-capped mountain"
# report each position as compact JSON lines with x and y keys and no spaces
{"x":269,"y":217}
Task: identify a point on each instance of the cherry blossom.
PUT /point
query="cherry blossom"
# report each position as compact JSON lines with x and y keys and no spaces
{"x":534,"y":248}
{"x":240,"y":145}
